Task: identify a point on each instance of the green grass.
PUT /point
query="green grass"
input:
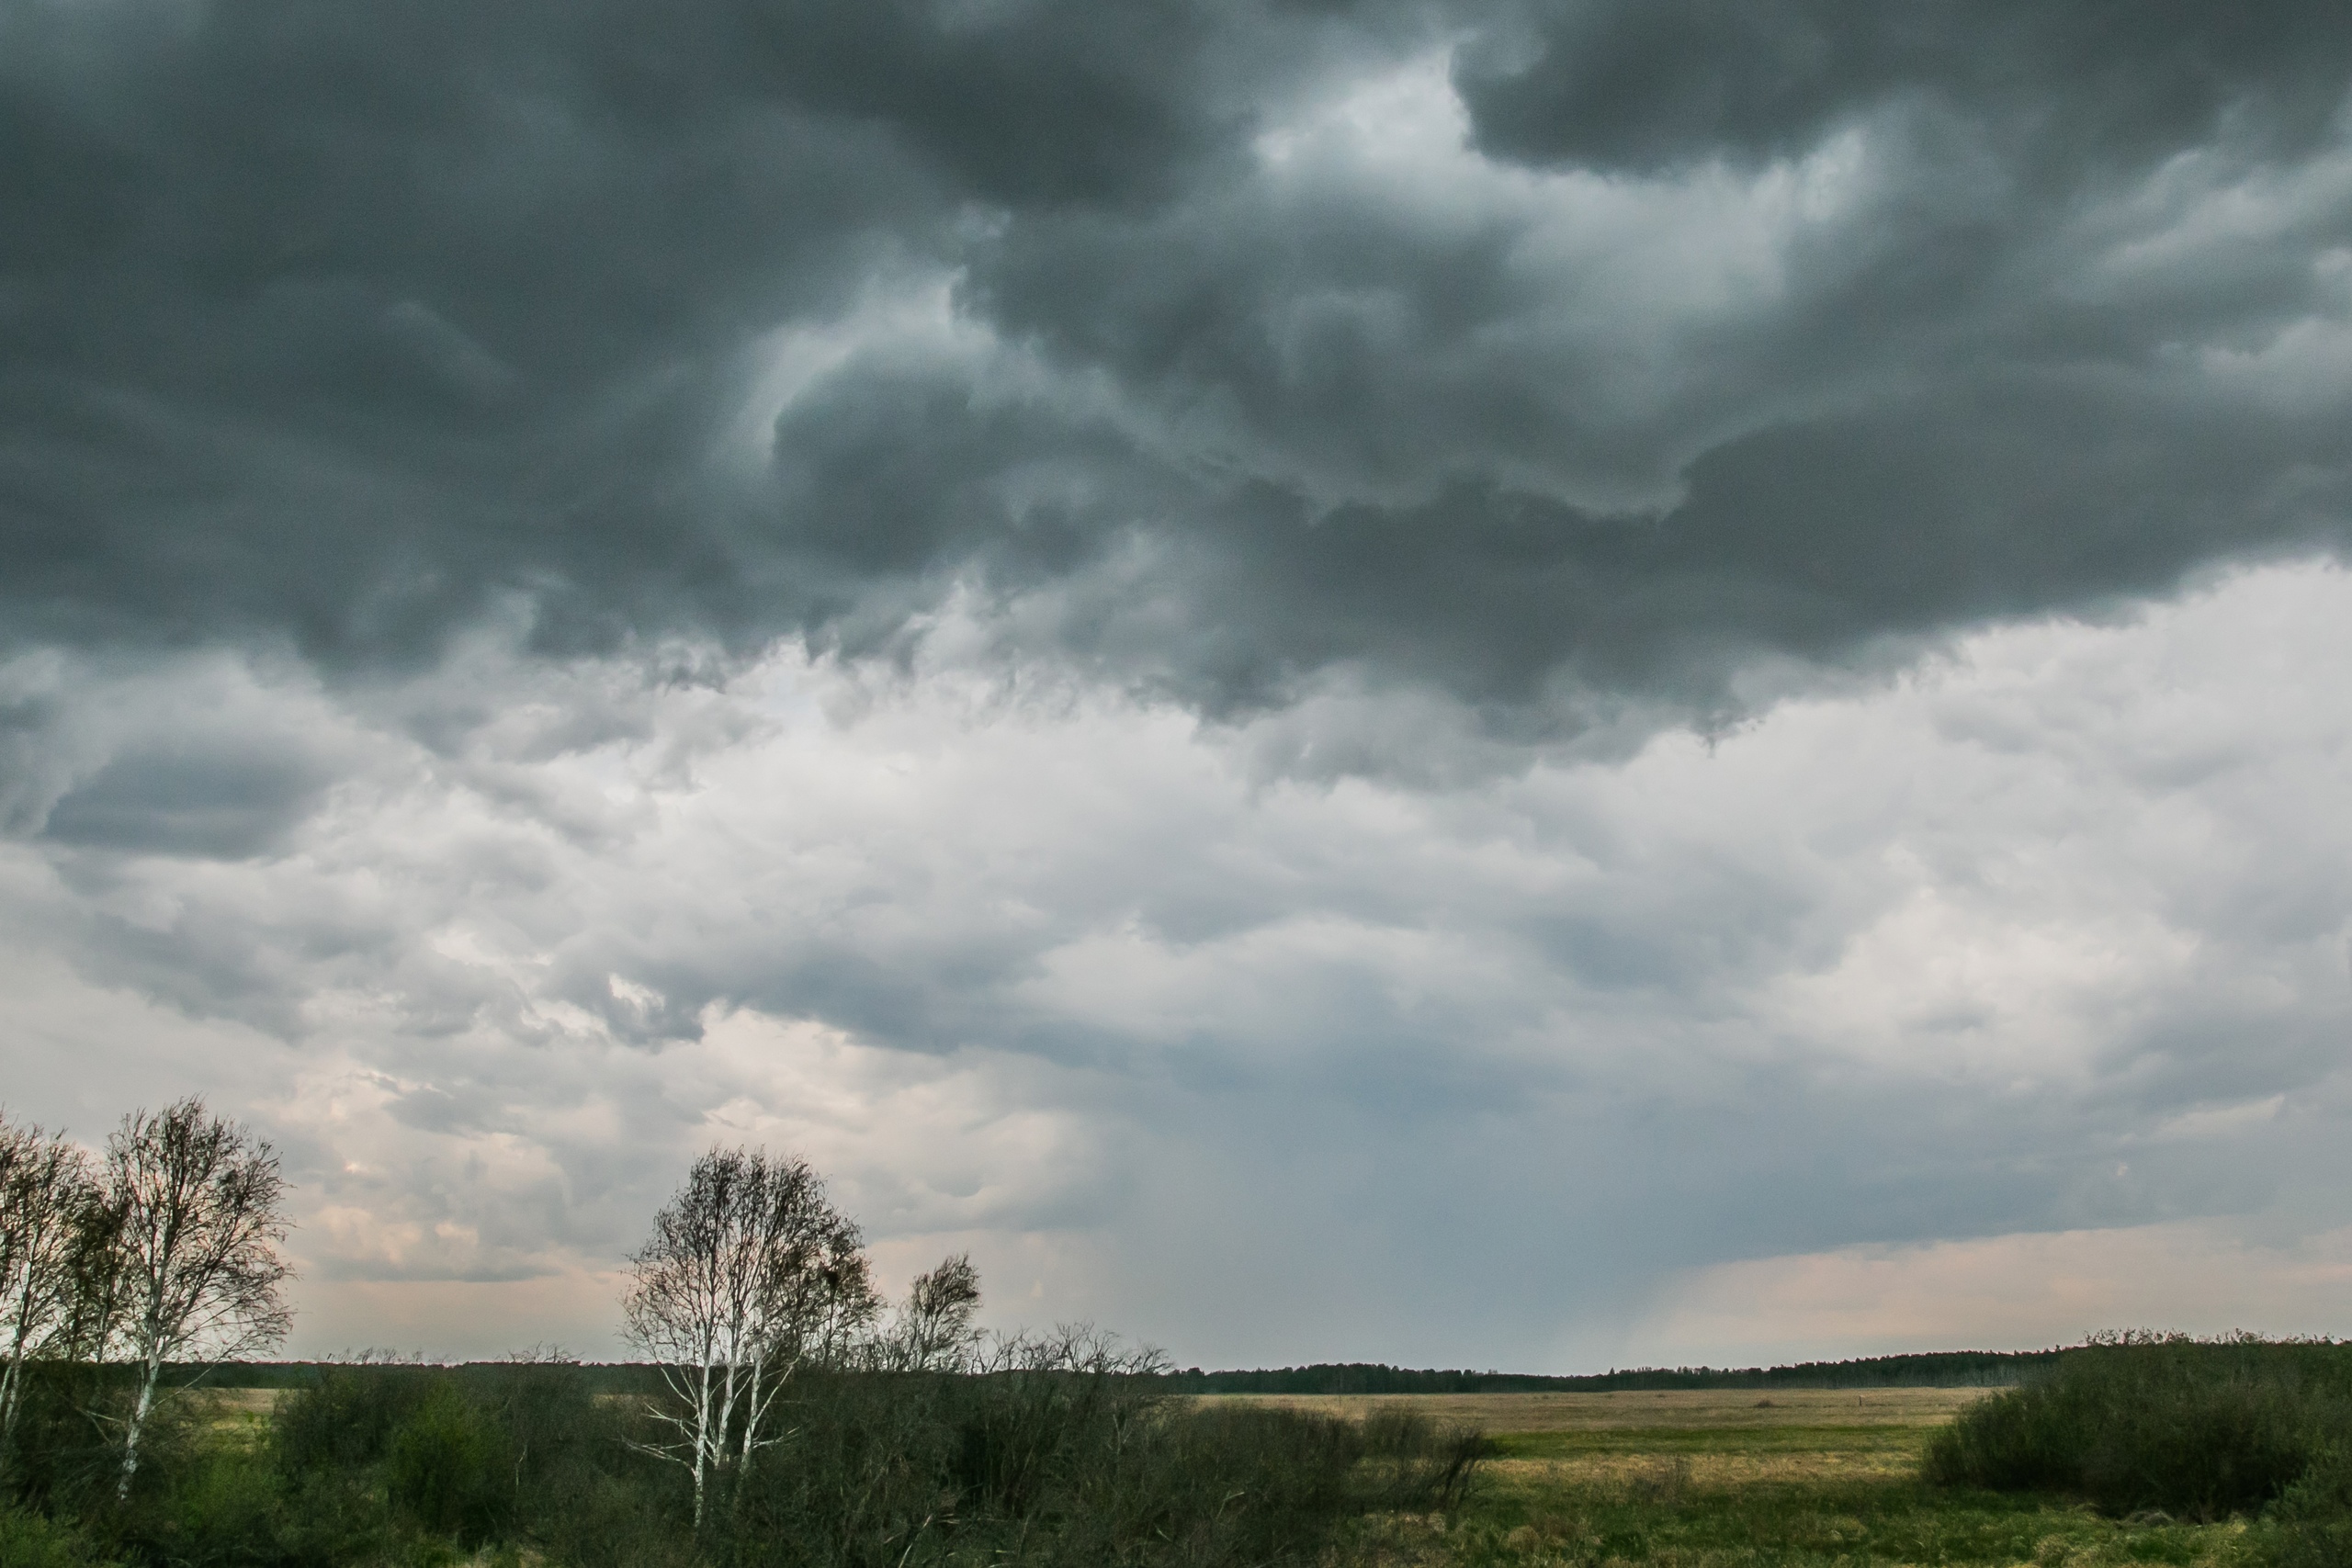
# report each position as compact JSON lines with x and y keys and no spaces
{"x":1686,"y":1499}
{"x":2159,"y":1448}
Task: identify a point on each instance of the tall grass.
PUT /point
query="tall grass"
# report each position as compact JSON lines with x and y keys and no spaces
{"x":2195,"y":1428}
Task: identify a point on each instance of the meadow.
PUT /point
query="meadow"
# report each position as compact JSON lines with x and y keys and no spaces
{"x":2140,"y":1450}
{"x":1732,"y":1479}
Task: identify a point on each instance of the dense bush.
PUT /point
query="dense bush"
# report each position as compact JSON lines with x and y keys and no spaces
{"x":62,"y":1459}
{"x":2194,"y":1429}
{"x":346,"y":1419}
{"x":28,"y":1540}
{"x":2311,"y":1527}
{"x":447,"y":1470}
{"x":1068,"y":1467}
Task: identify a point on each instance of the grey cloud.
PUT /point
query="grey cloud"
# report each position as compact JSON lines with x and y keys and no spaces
{"x":1954,"y":410}
{"x":337,"y":323}
{"x":350,"y":327}
{"x":212,"y":801}
{"x":1423,"y":1071}
{"x":2083,"y":85}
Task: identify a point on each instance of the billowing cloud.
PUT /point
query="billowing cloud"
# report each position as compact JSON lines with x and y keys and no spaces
{"x":1547,"y":354}
{"x":1440,"y":682}
{"x":2047,"y":935}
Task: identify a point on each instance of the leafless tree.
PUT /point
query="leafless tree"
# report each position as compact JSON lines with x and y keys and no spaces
{"x":46,"y":1191}
{"x":749,"y":1274}
{"x":933,"y":1331}
{"x":195,"y":1201}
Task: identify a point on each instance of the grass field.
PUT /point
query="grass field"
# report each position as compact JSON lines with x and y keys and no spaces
{"x":1735,"y":1479}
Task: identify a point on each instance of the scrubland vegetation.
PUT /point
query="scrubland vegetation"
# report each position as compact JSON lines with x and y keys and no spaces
{"x":2201,"y":1431}
{"x":1062,"y":1455}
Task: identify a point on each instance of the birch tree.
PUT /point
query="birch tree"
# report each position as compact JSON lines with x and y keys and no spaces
{"x":195,"y":1201}
{"x":46,"y":1193}
{"x":933,"y":1331}
{"x":750,"y":1274}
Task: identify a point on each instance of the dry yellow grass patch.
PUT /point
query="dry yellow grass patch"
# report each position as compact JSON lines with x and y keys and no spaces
{"x":240,"y":1401}
{"x":1643,"y":1473}
{"x":1683,"y":1408}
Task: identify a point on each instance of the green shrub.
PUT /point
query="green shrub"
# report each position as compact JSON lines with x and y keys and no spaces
{"x":347,"y":1420}
{"x":2311,"y":1526}
{"x":2196,"y":1429}
{"x":227,"y":1506}
{"x":450,"y":1468}
{"x":28,"y":1540}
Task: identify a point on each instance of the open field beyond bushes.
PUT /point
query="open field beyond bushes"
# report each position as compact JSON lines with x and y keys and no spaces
{"x":1730,"y":1479}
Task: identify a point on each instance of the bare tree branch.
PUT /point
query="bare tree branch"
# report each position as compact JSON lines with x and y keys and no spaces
{"x":194,"y":1202}
{"x":46,"y":1189}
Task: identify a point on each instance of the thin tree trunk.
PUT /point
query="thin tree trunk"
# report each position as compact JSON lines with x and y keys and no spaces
{"x":139,"y":1409}
{"x":723,"y":1430}
{"x":12,"y":1379}
{"x":702,"y":1436}
{"x":751,"y":1411}
{"x":11,"y":1385}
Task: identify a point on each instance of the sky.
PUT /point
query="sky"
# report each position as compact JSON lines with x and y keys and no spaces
{"x":1543,"y":683}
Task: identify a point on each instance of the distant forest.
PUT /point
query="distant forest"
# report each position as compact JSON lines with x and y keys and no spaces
{"x":1943,"y":1368}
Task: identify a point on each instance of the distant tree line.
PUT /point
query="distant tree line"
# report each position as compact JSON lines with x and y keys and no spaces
{"x":1950,"y":1368}
{"x":1947,"y":1368}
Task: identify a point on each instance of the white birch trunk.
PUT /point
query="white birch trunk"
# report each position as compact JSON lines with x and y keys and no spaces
{"x":751,"y":1411}
{"x":152,"y":1371}
{"x":12,"y":1379}
{"x":701,"y":1437}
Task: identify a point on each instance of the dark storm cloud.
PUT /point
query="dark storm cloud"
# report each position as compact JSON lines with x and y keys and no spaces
{"x":2081,"y":84}
{"x":337,"y":320}
{"x":344,"y":323}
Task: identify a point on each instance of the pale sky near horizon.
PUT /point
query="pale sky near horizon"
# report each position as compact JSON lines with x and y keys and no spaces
{"x":1545,"y":685}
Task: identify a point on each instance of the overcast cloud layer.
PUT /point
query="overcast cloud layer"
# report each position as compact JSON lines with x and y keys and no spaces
{"x":1532,"y":683}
